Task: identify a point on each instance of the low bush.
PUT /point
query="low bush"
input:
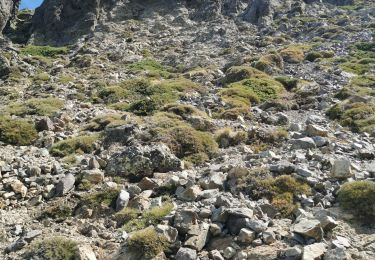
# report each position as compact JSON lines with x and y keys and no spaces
{"x":151,"y":68}
{"x":358,"y":197}
{"x":282,"y":191}
{"x":147,"y":243}
{"x":58,"y":212}
{"x":184,"y":141}
{"x":44,"y":51}
{"x":149,"y":217}
{"x":106,"y":198}
{"x":143,"y":97}
{"x":293,"y":54}
{"x":17,"y":131}
{"x":79,"y":144}
{"x":238,"y":73}
{"x":53,"y":248}
{"x":227,"y":137}
{"x":36,"y":106}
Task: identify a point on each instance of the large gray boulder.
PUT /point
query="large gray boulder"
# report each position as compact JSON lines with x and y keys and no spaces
{"x":6,"y":7}
{"x":260,"y":12}
{"x":142,"y":161}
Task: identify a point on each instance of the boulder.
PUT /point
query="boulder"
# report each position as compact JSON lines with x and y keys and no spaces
{"x":122,"y":200}
{"x":303,"y":143}
{"x":314,"y":251}
{"x":197,"y":236}
{"x":94,"y":176}
{"x":65,"y":185}
{"x":6,"y":8}
{"x":185,"y":253}
{"x":4,"y":67}
{"x":141,"y":161}
{"x":309,"y":228}
{"x":85,"y":252}
{"x":341,"y":169}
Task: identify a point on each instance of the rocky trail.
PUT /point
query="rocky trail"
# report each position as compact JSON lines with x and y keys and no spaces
{"x":166,"y":129}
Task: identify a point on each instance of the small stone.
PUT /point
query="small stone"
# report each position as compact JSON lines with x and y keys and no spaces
{"x":30,"y":235}
{"x":314,"y":251}
{"x":315,"y":130}
{"x":169,"y":232}
{"x":190,"y":193}
{"x":19,"y":188}
{"x":85,"y":252}
{"x":122,"y":200}
{"x":246,"y":236}
{"x":65,"y":185}
{"x":94,"y":176}
{"x":269,"y":237}
{"x":229,"y":252}
{"x":44,"y":124}
{"x":336,"y":254}
{"x":293,"y":252}
{"x":185,"y":253}
{"x":303,"y":143}
{"x":215,"y":255}
{"x":308,"y":228}
{"x":341,"y":168}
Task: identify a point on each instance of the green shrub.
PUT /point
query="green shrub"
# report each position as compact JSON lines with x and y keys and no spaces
{"x":43,"y":76}
{"x":358,"y":197}
{"x":151,"y":67}
{"x":359,"y":116}
{"x":44,"y":51}
{"x":35,"y":106}
{"x":238,"y":73}
{"x":314,"y":55}
{"x":147,"y":242}
{"x":227,"y":137}
{"x":53,"y":248}
{"x":282,"y":191}
{"x":105,"y":121}
{"x":79,"y":144}
{"x":93,"y":200}
{"x":288,"y":82}
{"x":263,"y":89}
{"x":150,"y":217}
{"x":17,"y":131}
{"x":269,"y":63}
{"x":293,"y":54}
{"x":58,"y":212}
{"x":185,"y":142}
{"x":143,"y":97}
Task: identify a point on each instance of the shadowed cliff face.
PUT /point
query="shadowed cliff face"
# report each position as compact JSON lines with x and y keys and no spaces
{"x":61,"y":22}
{"x":6,"y":7}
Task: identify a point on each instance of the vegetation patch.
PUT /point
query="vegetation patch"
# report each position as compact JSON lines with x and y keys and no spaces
{"x":151,"y":68}
{"x":134,"y":220}
{"x":44,"y":51}
{"x":102,"y":198}
{"x":186,"y":142}
{"x":270,"y":63}
{"x":315,"y":55}
{"x":53,"y":248}
{"x":79,"y":144}
{"x":228,"y":137}
{"x":17,"y":131}
{"x":238,"y":73}
{"x":282,"y":191}
{"x":59,"y":212}
{"x":358,"y":116}
{"x":147,"y":243}
{"x":355,"y":111}
{"x":144,"y":97}
{"x":36,"y":106}
{"x":294,"y":53}
{"x":358,"y":197}
{"x":105,"y":121}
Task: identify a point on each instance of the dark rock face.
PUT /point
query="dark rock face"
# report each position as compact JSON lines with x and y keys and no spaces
{"x":6,"y":7}
{"x":62,"y":21}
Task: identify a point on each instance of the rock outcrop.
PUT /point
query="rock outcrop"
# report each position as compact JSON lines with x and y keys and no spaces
{"x":6,"y":7}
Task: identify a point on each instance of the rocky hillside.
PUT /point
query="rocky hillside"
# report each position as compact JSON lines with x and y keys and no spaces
{"x":168,"y":129}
